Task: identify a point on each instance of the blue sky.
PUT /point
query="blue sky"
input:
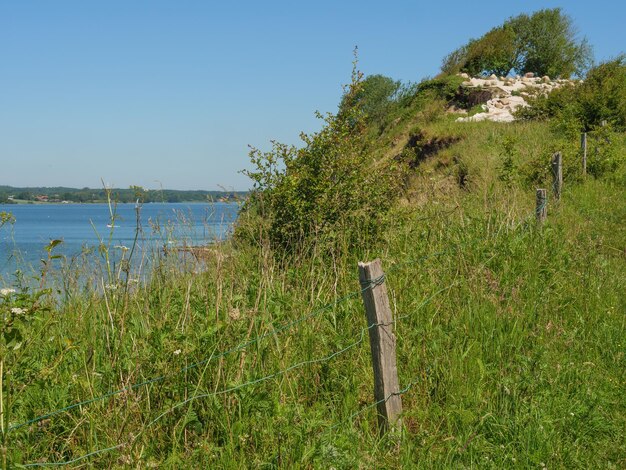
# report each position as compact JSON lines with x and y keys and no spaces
{"x":170,"y":93}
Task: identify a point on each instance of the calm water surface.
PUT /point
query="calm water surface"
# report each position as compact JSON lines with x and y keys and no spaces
{"x":83,"y":227}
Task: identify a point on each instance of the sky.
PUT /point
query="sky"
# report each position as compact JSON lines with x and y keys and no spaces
{"x":170,"y":94}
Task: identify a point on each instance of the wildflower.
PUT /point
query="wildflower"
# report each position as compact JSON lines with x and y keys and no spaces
{"x":121,"y":247}
{"x":18,"y":310}
{"x":177,"y":352}
{"x":6,"y":292}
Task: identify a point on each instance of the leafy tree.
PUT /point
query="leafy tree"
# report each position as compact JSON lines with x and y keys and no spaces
{"x":495,"y":52}
{"x":547,"y":44}
{"x":543,"y":43}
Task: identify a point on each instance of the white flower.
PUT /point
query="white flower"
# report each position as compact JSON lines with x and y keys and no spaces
{"x":6,"y":292}
{"x":18,"y":311}
{"x":177,"y":352}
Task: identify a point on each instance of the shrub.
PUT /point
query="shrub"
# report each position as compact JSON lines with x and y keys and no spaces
{"x":375,"y":97}
{"x":330,"y":191}
{"x":601,"y":97}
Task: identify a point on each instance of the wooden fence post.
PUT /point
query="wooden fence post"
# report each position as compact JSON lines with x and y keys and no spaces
{"x":583,"y":146}
{"x":382,"y":344}
{"x":541,"y":208}
{"x":557,"y":174}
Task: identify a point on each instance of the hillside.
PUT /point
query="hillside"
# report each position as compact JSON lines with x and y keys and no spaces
{"x":509,"y":332}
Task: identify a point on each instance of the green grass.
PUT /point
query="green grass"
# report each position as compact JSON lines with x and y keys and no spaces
{"x":513,"y":339}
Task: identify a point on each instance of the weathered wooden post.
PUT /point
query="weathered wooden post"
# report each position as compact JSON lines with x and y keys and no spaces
{"x":583,"y":146}
{"x":541,"y":208}
{"x":557,"y":174}
{"x":382,"y":344}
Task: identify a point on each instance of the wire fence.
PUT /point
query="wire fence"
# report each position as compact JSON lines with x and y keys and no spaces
{"x":243,"y":345}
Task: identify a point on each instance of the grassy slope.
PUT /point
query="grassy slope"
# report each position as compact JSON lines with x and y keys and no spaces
{"x":512,"y":337}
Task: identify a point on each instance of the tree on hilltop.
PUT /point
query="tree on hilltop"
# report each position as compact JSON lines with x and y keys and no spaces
{"x":544,"y":43}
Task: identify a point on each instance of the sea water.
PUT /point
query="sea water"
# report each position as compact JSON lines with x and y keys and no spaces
{"x":91,"y":230}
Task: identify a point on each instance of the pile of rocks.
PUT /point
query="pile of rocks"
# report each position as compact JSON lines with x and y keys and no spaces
{"x":507,"y":94}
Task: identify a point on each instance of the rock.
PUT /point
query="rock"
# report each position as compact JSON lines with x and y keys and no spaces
{"x":493,"y":76}
{"x":500,"y":98}
{"x":464,"y":75}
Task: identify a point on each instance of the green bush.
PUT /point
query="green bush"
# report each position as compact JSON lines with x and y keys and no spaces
{"x":602,"y":96}
{"x":330,"y":191}
{"x":584,"y":106}
{"x":375,"y":97}
{"x":596,"y":106}
{"x":604,"y":155}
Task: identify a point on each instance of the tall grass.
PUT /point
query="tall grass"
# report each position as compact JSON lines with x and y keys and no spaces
{"x":511,"y":336}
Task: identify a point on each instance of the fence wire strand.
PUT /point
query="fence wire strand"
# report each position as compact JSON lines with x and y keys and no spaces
{"x":283,"y":328}
{"x":239,"y":347}
{"x":217,"y":393}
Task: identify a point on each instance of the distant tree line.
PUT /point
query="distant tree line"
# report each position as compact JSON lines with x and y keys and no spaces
{"x":9,"y":194}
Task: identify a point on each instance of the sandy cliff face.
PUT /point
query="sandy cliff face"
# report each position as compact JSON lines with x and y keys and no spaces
{"x":507,"y":94}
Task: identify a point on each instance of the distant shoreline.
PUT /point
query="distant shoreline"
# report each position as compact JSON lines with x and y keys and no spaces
{"x":65,"y":195}
{"x":62,"y":203}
